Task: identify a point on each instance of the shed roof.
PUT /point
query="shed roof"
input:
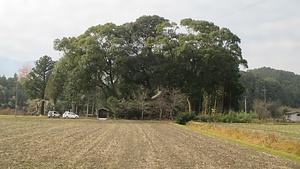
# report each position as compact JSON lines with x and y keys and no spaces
{"x":292,"y":112}
{"x":104,"y":109}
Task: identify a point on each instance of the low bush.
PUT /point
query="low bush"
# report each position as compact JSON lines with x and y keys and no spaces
{"x":184,"y":117}
{"x":231,"y":117}
{"x":206,"y":118}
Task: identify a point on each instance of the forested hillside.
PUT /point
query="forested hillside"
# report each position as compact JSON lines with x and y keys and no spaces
{"x":273,"y":85}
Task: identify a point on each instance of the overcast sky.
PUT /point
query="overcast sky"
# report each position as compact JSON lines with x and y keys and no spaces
{"x":269,"y":29}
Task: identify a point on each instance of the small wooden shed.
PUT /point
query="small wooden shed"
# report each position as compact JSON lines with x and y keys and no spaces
{"x":103,"y":114}
{"x":293,"y":116}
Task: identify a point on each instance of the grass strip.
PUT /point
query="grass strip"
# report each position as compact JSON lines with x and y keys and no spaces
{"x":244,"y":144}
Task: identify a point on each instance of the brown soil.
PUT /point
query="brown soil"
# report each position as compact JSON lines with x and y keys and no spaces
{"x":66,"y":143}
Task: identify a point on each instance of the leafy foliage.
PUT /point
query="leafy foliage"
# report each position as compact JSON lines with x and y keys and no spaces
{"x":185,"y":117}
{"x":111,"y":62}
{"x":12,"y":94}
{"x":279,"y":86}
{"x":231,"y":117}
{"x":121,"y":66}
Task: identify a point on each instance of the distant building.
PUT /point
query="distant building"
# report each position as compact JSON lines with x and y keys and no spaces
{"x":292,"y":116}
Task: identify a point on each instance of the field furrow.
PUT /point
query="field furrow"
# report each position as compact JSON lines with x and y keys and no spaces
{"x":89,"y":143}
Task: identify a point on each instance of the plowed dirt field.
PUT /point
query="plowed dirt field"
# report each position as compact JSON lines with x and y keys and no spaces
{"x":89,"y":143}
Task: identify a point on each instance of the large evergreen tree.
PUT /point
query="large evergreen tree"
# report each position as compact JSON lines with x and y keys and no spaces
{"x":36,"y":81}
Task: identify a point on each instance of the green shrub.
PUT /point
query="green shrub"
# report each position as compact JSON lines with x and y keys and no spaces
{"x":208,"y":118}
{"x":218,"y":117}
{"x":184,"y":117}
{"x":244,"y":118}
{"x":231,"y":117}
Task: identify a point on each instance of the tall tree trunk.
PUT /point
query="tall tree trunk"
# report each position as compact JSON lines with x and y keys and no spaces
{"x":73,"y":107}
{"x":87,"y":107}
{"x":54,"y":103}
{"x":205,"y":102}
{"x":160,"y":113}
{"x":43,"y":102}
{"x":223,"y":100}
{"x":230,"y":101}
{"x":189,"y":104}
{"x":200,"y":105}
{"x":210,"y":103}
{"x":142,"y":109}
{"x":215,"y":107}
{"x":43,"y":107}
{"x":93,"y":107}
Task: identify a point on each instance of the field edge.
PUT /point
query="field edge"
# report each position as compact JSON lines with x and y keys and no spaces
{"x":244,"y":144}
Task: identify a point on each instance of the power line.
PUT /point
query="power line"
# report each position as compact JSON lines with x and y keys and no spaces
{"x":239,"y":10}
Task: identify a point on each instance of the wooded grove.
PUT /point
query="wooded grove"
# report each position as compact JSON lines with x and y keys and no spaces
{"x":193,"y":66}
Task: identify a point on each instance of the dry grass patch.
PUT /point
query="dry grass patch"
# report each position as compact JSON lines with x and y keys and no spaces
{"x":7,"y":111}
{"x":266,"y":139}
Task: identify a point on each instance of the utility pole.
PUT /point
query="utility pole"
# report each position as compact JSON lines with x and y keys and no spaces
{"x":245,"y":104}
{"x":265,"y":95}
{"x":16,"y":99}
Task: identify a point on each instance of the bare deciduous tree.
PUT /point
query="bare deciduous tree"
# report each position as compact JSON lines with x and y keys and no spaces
{"x":176,"y":100}
{"x":140,"y":96}
{"x":260,"y":107}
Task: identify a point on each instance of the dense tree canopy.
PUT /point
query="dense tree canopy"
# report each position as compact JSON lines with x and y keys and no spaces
{"x":151,"y":53}
{"x":193,"y":65}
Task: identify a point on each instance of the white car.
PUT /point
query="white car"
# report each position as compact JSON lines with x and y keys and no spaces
{"x":53,"y":114}
{"x":72,"y":115}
